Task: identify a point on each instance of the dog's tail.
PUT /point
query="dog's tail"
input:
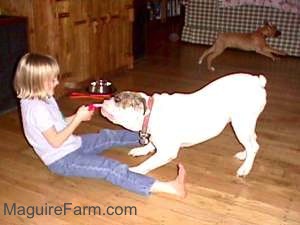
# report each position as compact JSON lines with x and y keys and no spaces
{"x":262,"y":80}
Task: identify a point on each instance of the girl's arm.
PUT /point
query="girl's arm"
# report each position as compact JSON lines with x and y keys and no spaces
{"x":57,"y":138}
{"x":69,"y":118}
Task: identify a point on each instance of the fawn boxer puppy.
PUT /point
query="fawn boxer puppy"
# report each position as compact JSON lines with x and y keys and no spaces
{"x":171,"y":121}
{"x":254,"y":41}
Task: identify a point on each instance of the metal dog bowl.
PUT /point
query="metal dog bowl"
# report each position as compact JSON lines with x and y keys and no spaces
{"x":101,"y":87}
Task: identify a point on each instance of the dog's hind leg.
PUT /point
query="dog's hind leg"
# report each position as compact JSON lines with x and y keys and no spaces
{"x":245,"y":132}
{"x":218,"y":51}
{"x":206,"y":53}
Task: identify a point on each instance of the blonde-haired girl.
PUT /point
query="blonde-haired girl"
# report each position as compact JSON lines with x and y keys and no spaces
{"x":51,"y":135}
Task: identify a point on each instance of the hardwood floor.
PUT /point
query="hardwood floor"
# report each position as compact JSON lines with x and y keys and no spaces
{"x":269,"y":195}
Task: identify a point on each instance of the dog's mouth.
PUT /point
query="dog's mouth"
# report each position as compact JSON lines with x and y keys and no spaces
{"x":107,"y":114}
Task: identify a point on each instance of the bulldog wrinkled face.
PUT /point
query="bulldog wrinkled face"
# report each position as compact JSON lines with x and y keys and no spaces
{"x":126,"y":109}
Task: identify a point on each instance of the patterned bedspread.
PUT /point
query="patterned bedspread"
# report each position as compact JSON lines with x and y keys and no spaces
{"x":205,"y":18}
{"x":283,"y":5}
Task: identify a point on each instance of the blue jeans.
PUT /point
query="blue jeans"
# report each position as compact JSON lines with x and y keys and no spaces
{"x":86,"y":161}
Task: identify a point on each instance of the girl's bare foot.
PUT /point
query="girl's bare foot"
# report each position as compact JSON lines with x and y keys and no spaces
{"x":179,"y":182}
{"x":174,"y":187}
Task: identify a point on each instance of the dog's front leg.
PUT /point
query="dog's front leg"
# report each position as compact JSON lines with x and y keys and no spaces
{"x":265,"y":53}
{"x":143,"y":150}
{"x":152,"y":163}
{"x":158,"y":159}
{"x":276,"y":51}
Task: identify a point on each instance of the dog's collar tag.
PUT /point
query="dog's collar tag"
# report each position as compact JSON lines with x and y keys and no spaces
{"x":144,"y":138}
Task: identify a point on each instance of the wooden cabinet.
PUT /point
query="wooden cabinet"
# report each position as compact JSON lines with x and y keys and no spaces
{"x":95,"y":36}
{"x":13,"y":44}
{"x":89,"y":38}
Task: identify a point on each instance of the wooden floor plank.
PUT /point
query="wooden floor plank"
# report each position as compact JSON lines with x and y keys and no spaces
{"x":269,"y":195}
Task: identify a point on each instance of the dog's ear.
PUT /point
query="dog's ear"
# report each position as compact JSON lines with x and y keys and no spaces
{"x":143,"y":99}
{"x":266,"y":23}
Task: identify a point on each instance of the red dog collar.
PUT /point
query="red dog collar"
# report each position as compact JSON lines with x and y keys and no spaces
{"x":144,"y":136}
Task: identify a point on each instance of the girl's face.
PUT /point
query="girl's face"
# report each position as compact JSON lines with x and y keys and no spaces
{"x":51,"y":84}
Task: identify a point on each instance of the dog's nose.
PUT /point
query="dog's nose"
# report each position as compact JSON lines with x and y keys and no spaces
{"x":108,"y":102}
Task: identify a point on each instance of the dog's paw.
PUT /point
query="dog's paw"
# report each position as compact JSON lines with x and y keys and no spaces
{"x":137,"y":169}
{"x":241,"y":155}
{"x":211,"y":68}
{"x":139,"y":151}
{"x":200,"y":61}
{"x":244,"y":170}
{"x":282,"y":53}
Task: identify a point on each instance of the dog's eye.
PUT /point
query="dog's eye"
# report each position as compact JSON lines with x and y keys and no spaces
{"x":117,"y":99}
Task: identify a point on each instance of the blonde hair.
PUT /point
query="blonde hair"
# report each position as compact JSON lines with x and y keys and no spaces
{"x":32,"y":72}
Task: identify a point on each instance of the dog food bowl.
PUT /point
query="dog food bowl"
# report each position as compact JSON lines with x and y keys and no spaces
{"x":101,"y":87}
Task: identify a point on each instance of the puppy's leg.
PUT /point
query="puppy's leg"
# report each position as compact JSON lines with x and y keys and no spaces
{"x":219,"y":49}
{"x":143,"y":150}
{"x":206,"y":53}
{"x":160,"y":158}
{"x":276,"y":51}
{"x":265,"y":53}
{"x":245,"y":132}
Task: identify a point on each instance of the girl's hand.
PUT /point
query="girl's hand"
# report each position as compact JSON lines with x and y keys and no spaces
{"x":84,"y":114}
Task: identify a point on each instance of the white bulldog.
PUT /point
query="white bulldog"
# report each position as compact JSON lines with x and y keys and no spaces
{"x":181,"y":120}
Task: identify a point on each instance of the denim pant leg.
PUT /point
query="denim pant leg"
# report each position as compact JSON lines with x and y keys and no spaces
{"x":86,"y":161}
{"x":95,"y":166}
{"x":106,"y":139}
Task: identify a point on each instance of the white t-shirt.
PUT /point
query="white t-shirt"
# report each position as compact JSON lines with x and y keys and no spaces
{"x":37,"y":117}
